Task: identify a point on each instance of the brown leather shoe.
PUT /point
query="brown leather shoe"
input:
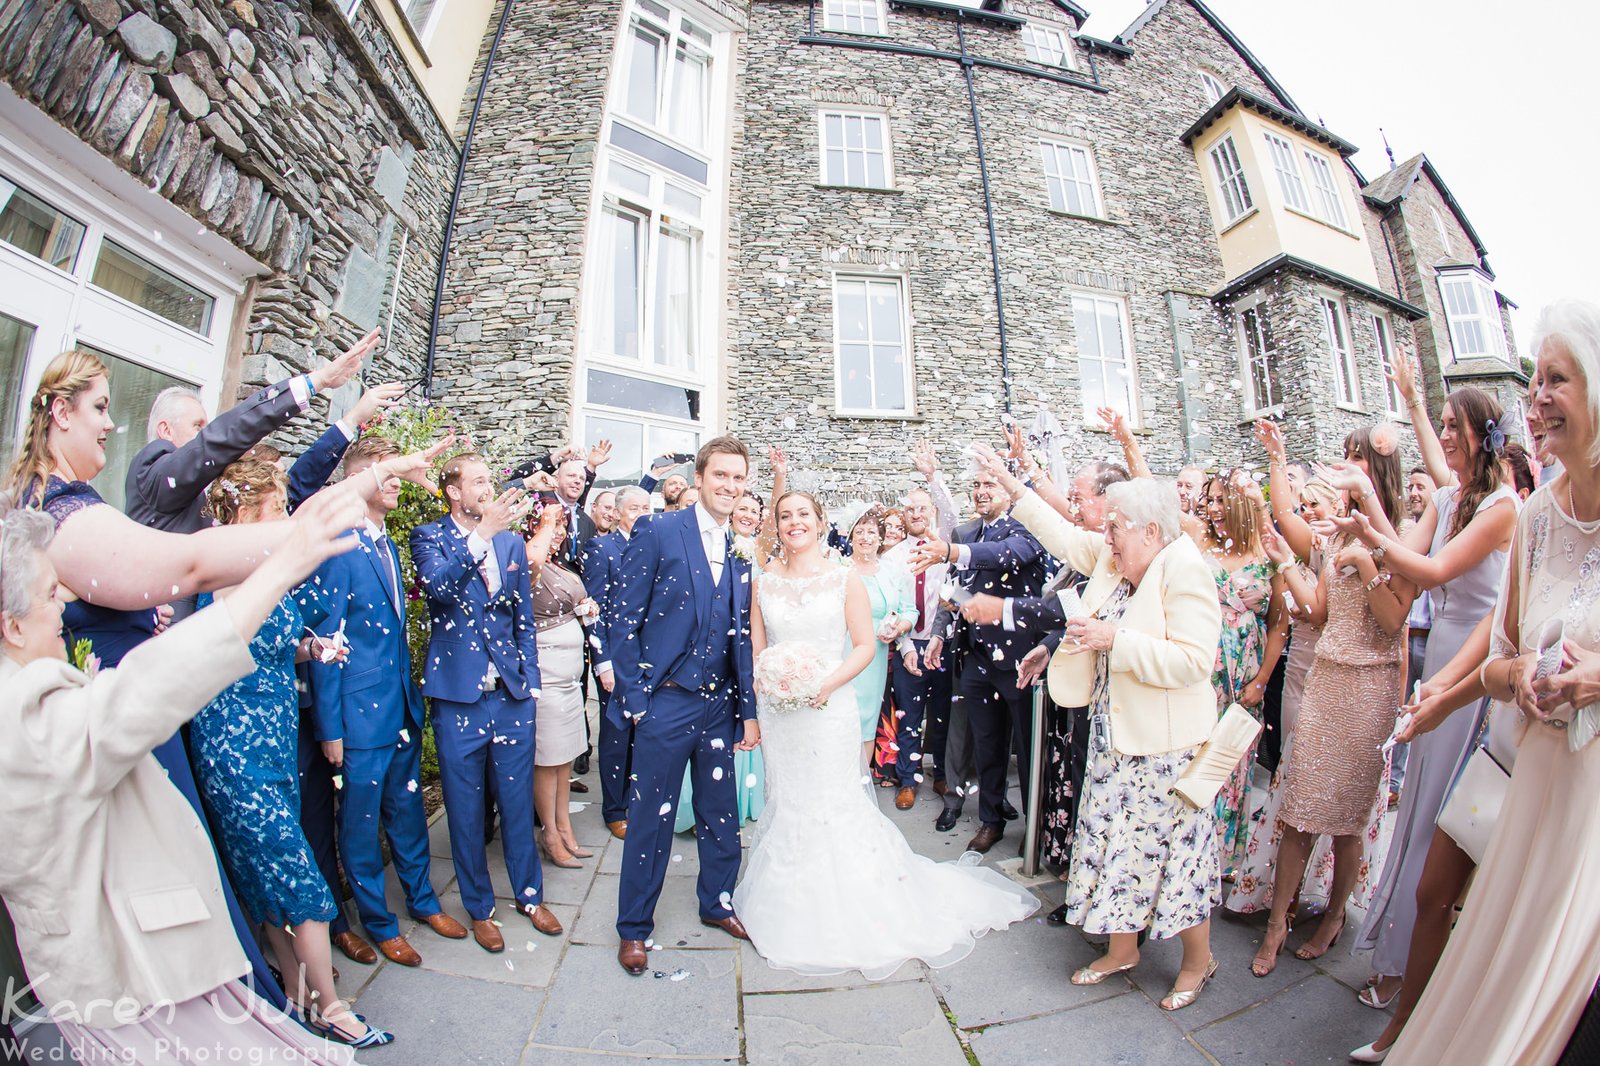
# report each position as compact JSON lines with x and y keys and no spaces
{"x":905,"y":799}
{"x":446,"y":926}
{"x":487,"y":934}
{"x":730,"y":925}
{"x":985,"y":838}
{"x":619,"y":828}
{"x":633,"y":956}
{"x":940,"y":788}
{"x":396,"y":949}
{"x":355,"y":949}
{"x":577,"y":786}
{"x":542,"y":919}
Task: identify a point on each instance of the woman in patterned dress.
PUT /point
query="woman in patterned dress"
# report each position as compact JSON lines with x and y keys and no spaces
{"x":244,"y":744}
{"x":1254,"y":625}
{"x":1351,"y":695}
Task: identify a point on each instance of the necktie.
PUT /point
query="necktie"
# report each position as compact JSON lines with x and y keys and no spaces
{"x":381,"y":543}
{"x":922,"y":577}
{"x":716,"y":554}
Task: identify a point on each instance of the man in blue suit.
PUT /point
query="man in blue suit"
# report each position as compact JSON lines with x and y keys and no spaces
{"x":602,"y":578}
{"x":368,"y":719}
{"x":482,"y":674}
{"x":997,"y":556}
{"x":680,"y":650}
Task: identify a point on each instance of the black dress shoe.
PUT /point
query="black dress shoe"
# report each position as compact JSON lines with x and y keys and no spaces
{"x":580,"y":765}
{"x":1008,"y":812}
{"x":947,"y":819}
{"x":1057,"y":916}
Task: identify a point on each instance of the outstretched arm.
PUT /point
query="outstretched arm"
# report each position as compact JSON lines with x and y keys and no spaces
{"x":1405,"y":380}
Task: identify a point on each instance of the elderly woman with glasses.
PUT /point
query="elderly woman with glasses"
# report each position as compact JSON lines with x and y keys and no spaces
{"x":1138,"y":653}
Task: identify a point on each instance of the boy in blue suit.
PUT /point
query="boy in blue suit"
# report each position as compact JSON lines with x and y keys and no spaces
{"x":368,"y":717}
{"x":482,"y":674}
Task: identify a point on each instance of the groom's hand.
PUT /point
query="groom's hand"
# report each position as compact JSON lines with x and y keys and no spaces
{"x":752,"y":736}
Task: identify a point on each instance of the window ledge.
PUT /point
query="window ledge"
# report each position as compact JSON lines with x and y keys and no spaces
{"x":854,"y":33}
{"x":1138,"y":431}
{"x":876,"y":416}
{"x":1247,"y":216}
{"x":860,"y":188}
{"x":1355,"y":409}
{"x":1086,"y":218}
{"x":1319,"y":220}
{"x":1250,"y":418}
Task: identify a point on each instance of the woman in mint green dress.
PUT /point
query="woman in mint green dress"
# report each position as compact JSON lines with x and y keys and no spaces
{"x":889,"y":587}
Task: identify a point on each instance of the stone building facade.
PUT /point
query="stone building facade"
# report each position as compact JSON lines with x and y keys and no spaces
{"x":227,"y":186}
{"x":1006,"y":169}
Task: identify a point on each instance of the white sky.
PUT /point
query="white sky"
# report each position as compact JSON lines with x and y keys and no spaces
{"x":1501,"y":97}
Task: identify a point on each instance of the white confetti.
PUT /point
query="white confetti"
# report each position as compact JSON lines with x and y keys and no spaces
{"x":666,"y":809}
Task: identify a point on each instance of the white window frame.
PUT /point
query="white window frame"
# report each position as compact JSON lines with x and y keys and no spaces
{"x":1232,"y":186}
{"x":1254,"y":334}
{"x":1327,"y":199}
{"x":422,"y":28}
{"x":824,"y":148}
{"x":1284,"y":164}
{"x":902,"y":291}
{"x":1048,"y":46}
{"x":1383,"y":341}
{"x":836,"y":15}
{"x":1485,"y":317}
{"x":1211,"y":86}
{"x":1051,"y":151}
{"x":1341,"y":350}
{"x":678,"y":32}
{"x":1129,"y":365}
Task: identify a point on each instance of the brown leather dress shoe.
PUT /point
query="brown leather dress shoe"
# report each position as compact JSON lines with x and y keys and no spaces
{"x":355,"y":949}
{"x":619,"y":828}
{"x":940,"y":788}
{"x":396,"y":949}
{"x":446,"y":926}
{"x":985,"y":838}
{"x":577,"y":786}
{"x":487,"y":934}
{"x":633,"y":956}
{"x":542,"y":919}
{"x":730,"y":925}
{"x":905,"y":799}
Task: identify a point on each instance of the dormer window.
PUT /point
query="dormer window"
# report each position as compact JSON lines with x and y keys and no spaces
{"x":1473,"y":312}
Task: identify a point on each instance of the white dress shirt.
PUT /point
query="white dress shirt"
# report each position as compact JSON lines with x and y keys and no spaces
{"x":483,"y":554}
{"x":714,"y":535}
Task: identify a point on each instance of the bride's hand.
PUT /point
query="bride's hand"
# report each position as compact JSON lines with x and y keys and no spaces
{"x":823,"y":694}
{"x":752,"y":736}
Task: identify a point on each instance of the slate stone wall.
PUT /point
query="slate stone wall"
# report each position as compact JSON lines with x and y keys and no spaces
{"x":295,"y":134}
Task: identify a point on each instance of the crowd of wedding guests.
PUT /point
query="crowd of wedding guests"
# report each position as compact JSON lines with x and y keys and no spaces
{"x":248,"y":623}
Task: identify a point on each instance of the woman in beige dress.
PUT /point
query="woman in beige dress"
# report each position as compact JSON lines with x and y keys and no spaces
{"x":1523,"y":960}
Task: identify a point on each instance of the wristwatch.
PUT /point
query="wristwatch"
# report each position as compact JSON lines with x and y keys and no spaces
{"x":1381,"y":550}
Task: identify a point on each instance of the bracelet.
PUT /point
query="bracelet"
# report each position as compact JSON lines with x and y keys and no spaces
{"x":1483,"y":675}
{"x":1377,"y":579}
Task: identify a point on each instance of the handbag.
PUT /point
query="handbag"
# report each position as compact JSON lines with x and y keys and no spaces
{"x":1214,"y":763}
{"x":1472,"y":810}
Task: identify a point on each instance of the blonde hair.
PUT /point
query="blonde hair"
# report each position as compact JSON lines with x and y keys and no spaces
{"x":1240,"y":528}
{"x":244,"y":485}
{"x":67,"y":377}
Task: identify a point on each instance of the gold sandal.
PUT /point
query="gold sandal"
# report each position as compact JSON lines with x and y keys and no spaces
{"x":1088,"y":975}
{"x":1176,"y":1000}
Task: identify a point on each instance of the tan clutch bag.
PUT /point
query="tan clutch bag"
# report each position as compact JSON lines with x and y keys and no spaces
{"x":1204,"y":777}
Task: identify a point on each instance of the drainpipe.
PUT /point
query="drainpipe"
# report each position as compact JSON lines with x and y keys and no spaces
{"x":455,"y":197}
{"x":988,"y":210}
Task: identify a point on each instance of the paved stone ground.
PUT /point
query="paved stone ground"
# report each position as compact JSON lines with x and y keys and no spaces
{"x":565,"y":1002}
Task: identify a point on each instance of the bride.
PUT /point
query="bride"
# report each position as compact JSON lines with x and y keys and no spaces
{"x":831,"y":885}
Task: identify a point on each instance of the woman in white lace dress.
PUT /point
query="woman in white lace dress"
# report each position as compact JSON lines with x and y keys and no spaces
{"x":831,"y":885}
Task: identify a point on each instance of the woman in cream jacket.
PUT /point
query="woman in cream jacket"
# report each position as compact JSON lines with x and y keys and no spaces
{"x":1138,"y":653}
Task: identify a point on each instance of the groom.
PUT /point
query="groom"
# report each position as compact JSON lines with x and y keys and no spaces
{"x":681,"y":653}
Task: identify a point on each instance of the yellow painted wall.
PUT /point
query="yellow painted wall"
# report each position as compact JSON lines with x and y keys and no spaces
{"x":442,"y":64}
{"x":1274,"y":227}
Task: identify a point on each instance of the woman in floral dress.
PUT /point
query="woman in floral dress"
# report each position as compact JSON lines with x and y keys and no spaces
{"x":1254,"y":627}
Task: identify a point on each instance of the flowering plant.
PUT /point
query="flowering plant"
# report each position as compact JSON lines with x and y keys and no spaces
{"x":789,"y":675}
{"x":84,"y":658}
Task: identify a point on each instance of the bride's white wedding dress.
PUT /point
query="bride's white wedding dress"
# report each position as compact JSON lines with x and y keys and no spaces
{"x":830,"y":884}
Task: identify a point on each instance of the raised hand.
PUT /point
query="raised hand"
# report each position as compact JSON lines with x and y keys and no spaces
{"x":1270,"y":436}
{"x":1116,"y":422}
{"x":984,"y":610}
{"x":930,"y":553}
{"x":990,"y":461}
{"x":335,"y":373}
{"x":1274,"y":546}
{"x":417,"y":466}
{"x":778,"y":461}
{"x":378,"y":398}
{"x":318,"y":529}
{"x":661,"y":470}
{"x":507,"y":509}
{"x":1347,"y":476}
{"x":1404,"y":377}
{"x":599,"y":455}
{"x":1016,"y":443}
{"x":923,"y":458}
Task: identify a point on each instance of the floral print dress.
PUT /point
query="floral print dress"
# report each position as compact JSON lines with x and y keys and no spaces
{"x":1245,"y":595}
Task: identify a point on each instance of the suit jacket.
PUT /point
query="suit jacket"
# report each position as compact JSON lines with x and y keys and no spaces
{"x":316,"y":465}
{"x":602,"y":579}
{"x":1161,"y":697}
{"x":577,"y":546}
{"x":166,"y":484}
{"x":469,"y":630}
{"x":107,"y":871}
{"x":368,"y":699}
{"x":666,"y":589}
{"x":1008,"y":562}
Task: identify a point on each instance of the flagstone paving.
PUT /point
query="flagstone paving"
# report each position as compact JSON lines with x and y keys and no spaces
{"x":563,"y":1001}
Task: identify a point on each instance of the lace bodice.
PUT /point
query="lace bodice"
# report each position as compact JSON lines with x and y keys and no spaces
{"x":809,"y":609}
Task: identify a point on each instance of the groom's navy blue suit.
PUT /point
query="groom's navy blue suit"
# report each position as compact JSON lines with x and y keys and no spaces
{"x":681,"y":654}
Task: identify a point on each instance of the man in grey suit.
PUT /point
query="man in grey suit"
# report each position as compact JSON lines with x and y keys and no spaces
{"x":166,"y":483}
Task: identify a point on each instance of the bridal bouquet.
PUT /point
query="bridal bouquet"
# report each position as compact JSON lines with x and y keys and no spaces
{"x":790,"y":675}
